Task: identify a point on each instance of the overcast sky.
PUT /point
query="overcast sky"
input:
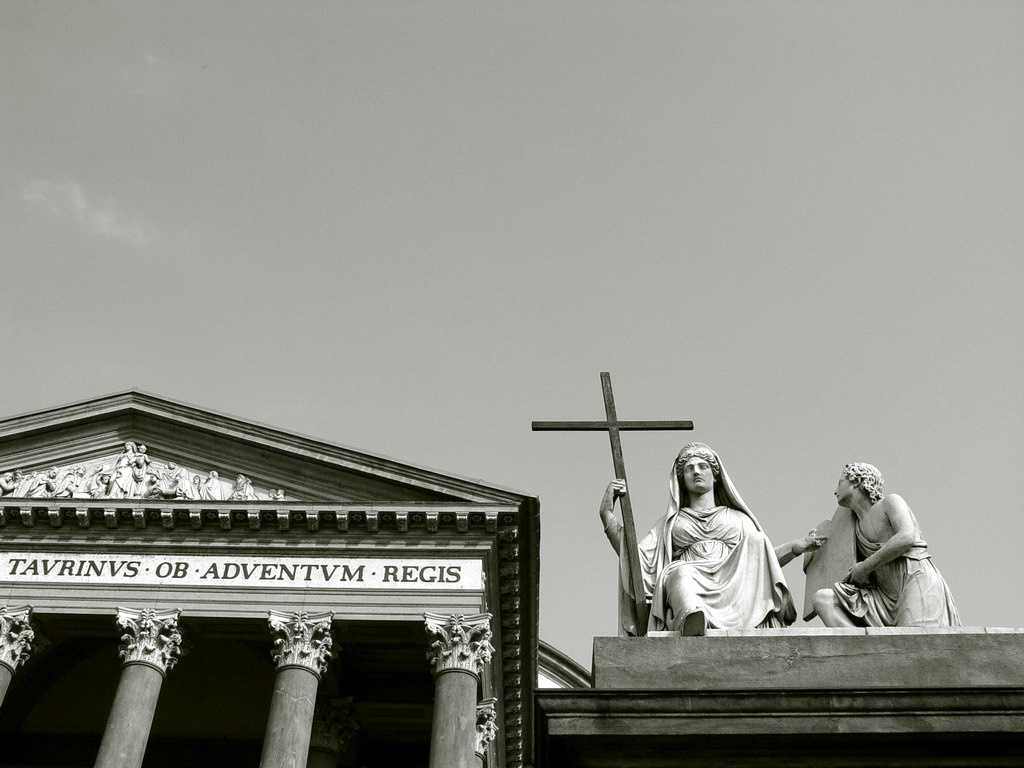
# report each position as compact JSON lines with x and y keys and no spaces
{"x":415,"y":227}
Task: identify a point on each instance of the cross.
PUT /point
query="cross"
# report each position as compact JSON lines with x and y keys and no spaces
{"x":613,"y":426}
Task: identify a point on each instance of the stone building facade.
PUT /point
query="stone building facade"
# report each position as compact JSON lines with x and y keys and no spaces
{"x":183,"y":587}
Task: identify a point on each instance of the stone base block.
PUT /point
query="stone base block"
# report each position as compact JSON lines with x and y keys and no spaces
{"x":814,"y":658}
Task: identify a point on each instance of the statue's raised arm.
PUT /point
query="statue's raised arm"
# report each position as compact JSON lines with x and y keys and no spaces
{"x":612,"y":525}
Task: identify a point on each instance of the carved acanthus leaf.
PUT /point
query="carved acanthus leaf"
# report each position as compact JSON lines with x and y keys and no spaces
{"x":302,"y":640}
{"x":462,"y":642}
{"x":486,"y":724}
{"x":16,"y":635}
{"x":151,"y":637}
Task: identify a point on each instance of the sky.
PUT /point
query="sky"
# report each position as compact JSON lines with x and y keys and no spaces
{"x":414,"y":228}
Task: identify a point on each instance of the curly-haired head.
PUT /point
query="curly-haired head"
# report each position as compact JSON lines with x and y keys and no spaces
{"x":867,"y":477}
{"x":702,"y":451}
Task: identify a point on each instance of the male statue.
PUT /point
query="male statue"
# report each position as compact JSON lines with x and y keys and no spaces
{"x":893,"y":583}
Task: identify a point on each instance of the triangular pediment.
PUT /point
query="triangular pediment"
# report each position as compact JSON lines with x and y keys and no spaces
{"x":136,"y":445}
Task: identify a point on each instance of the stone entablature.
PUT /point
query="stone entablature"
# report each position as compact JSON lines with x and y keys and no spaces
{"x":200,"y":570}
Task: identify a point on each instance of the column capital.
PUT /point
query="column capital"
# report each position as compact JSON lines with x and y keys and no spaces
{"x":462,"y":642}
{"x":333,"y":725}
{"x":16,"y":635}
{"x":486,"y":725}
{"x":302,"y":640}
{"x":152,"y":637}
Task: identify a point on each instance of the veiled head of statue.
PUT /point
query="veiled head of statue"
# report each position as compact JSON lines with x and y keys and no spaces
{"x":700,"y":451}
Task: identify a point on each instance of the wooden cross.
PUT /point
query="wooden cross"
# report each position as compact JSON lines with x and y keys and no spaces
{"x":613,"y":426}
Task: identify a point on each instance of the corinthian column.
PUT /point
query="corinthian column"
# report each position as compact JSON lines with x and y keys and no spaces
{"x":302,"y":648}
{"x":333,"y":732}
{"x":486,"y":728}
{"x":149,"y":648}
{"x":458,"y":652}
{"x":16,"y":636}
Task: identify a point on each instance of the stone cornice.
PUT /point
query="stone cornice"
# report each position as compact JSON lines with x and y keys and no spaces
{"x":432,"y":517}
{"x":152,"y":637}
{"x":16,"y":635}
{"x":302,"y":640}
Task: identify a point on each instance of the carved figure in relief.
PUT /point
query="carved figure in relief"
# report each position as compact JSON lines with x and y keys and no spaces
{"x":211,"y":490}
{"x":27,"y":483}
{"x":140,"y":472}
{"x":98,"y":486}
{"x":277,"y":495}
{"x":894,"y":582}
{"x":707,"y":562}
{"x":23,"y":481}
{"x":174,"y":483}
{"x":133,"y":475}
{"x":130,"y":470}
{"x":121,"y":480}
{"x":152,"y":488}
{"x":70,"y":482}
{"x":242,"y":490}
{"x":45,"y":485}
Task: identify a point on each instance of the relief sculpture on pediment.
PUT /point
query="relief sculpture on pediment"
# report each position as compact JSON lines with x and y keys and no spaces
{"x":130,"y":474}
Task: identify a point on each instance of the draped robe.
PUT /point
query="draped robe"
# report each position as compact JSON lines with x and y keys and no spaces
{"x":908,"y":591}
{"x":718,"y":560}
{"x":724,"y":565}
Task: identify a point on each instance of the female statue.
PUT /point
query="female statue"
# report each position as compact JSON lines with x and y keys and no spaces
{"x":210,"y":488}
{"x":121,"y":480}
{"x":707,"y":563}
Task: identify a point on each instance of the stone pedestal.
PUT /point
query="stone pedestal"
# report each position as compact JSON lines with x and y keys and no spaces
{"x":806,"y":658}
{"x":16,"y":636}
{"x":302,"y":647}
{"x":460,"y":646}
{"x":149,"y":648}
